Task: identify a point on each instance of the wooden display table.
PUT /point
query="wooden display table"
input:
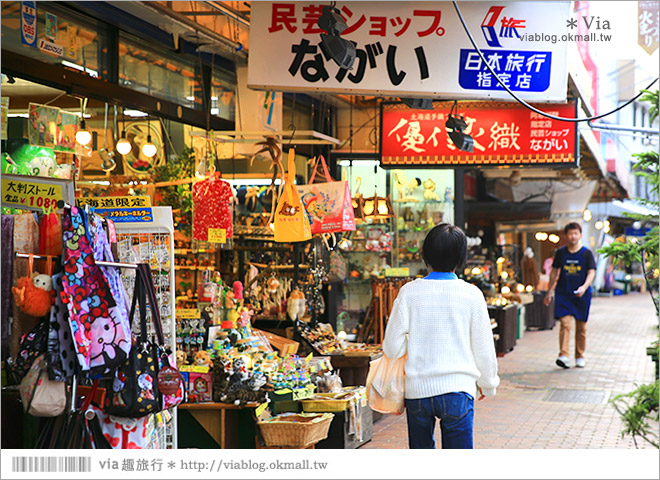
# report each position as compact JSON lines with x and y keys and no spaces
{"x":353,"y":369}
{"x":201,"y":425}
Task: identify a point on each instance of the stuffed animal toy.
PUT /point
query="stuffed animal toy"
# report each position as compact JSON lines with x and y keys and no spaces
{"x":449,"y":197}
{"x":180,"y":358}
{"x":33,"y":295}
{"x":412,"y":185}
{"x":296,"y":305}
{"x":429,"y":190}
{"x":241,"y":387}
{"x":202,"y":359}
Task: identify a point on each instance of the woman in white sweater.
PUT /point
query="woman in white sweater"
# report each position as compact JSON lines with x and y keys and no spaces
{"x":442,"y":323}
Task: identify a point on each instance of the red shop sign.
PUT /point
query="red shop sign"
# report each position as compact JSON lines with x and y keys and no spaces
{"x":503,"y":133}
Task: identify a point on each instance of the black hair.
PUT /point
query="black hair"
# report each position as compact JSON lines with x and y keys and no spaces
{"x":445,"y":248}
{"x":572,"y":226}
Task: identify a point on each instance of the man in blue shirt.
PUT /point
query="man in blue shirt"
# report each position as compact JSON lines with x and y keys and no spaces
{"x":573,"y":270}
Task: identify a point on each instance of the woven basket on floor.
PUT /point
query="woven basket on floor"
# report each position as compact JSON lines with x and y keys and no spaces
{"x":296,"y":431}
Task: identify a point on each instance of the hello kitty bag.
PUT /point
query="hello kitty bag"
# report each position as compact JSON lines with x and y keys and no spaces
{"x":135,"y":390}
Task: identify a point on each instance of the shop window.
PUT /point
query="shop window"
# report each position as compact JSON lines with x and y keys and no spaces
{"x":176,"y":78}
{"x":63,"y":38}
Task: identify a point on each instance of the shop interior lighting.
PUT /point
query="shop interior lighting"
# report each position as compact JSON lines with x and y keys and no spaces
{"x":83,"y":136}
{"x":149,"y":149}
{"x":504,"y":275}
{"x":529,"y":289}
{"x":342,"y":51}
{"x":456,"y":126}
{"x":553,"y":238}
{"x":476,"y":271}
{"x":606,"y":226}
{"x":587,"y":215}
{"x":598,"y":225}
{"x":541,"y":236}
{"x":135,"y":113}
{"x":505,"y":290}
{"x":500,"y":260}
{"x":520,"y":288}
{"x":378,"y":208}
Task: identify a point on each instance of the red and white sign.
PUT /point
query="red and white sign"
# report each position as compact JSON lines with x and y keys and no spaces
{"x":503,"y":133}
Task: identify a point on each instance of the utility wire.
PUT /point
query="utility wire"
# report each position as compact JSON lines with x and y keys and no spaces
{"x":527,"y":105}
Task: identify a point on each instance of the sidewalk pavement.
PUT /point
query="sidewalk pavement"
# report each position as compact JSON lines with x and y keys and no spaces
{"x":540,"y":405}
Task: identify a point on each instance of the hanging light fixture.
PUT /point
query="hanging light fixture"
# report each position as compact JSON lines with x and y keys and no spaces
{"x":587,"y":215}
{"x":553,"y":238}
{"x":378,"y":208}
{"x":598,"y":225}
{"x":149,"y":149}
{"x":83,"y":136}
{"x":123,"y":146}
{"x":541,"y":236}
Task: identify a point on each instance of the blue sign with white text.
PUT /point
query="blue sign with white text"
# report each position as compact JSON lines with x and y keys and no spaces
{"x":521,"y":71}
{"x":29,"y":23}
{"x":127,"y":215}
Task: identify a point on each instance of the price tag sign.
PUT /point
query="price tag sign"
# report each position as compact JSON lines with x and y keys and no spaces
{"x":260,"y":409}
{"x":309,"y":357}
{"x":188,"y":313}
{"x":29,"y":194}
{"x":217,"y":235}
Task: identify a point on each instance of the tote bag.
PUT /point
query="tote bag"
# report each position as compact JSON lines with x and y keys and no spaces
{"x":328,"y":205}
{"x":291,"y":222}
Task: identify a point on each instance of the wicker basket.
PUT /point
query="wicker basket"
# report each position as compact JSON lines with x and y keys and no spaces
{"x":295,"y":431}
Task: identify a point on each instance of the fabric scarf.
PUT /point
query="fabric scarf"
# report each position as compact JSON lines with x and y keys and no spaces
{"x":6,"y":267}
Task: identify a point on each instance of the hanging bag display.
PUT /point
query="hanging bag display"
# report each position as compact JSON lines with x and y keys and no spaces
{"x":328,"y":205}
{"x":100,"y":340}
{"x":135,"y":385}
{"x":291,"y":222}
{"x":42,"y":397}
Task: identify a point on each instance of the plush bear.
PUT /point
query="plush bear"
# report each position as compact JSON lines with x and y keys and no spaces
{"x":33,"y":295}
{"x":180,"y":358}
{"x":429,"y":190}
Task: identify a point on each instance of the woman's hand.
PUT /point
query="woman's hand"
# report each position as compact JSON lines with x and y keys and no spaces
{"x":481,"y":395}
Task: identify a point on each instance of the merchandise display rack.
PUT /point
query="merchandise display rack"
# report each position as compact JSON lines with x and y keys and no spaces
{"x":153,"y":242}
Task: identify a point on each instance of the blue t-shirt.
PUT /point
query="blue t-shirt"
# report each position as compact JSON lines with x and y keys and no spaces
{"x":573,"y":273}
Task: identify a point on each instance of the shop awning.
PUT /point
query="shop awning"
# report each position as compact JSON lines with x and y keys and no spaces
{"x":618,"y":208}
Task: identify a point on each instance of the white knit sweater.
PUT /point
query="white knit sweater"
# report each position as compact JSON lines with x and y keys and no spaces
{"x":444,"y":327}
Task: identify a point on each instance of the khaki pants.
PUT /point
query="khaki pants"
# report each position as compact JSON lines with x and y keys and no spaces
{"x":565,"y":336}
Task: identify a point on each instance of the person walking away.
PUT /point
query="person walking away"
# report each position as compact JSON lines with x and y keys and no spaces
{"x":442,"y":323}
{"x":573,"y":270}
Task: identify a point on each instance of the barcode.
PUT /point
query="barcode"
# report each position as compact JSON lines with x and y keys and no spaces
{"x":51,"y":464}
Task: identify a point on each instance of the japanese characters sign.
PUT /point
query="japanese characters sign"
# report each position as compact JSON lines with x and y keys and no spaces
{"x":503,"y":133}
{"x":127,"y":215}
{"x":30,"y":194}
{"x":115,"y":202}
{"x":648,"y":35}
{"x":217,"y":235}
{"x":414,"y":48}
{"x":29,"y":23}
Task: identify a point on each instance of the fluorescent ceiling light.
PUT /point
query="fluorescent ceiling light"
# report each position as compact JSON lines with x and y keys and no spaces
{"x":135,"y":113}
{"x":251,"y":181}
{"x":92,"y":73}
{"x":359,"y":163}
{"x":190,"y":98}
{"x":21,"y":115}
{"x":215,"y":111}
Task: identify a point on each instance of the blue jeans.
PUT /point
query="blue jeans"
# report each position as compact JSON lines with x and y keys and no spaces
{"x":456,"y":414}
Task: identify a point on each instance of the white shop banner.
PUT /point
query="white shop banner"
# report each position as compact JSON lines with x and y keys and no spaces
{"x":415,"y":49}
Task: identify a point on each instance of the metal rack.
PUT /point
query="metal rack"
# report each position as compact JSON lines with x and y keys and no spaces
{"x":153,"y":243}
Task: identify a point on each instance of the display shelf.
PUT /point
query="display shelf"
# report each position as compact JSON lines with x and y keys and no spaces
{"x":422,"y":202}
{"x":185,"y":251}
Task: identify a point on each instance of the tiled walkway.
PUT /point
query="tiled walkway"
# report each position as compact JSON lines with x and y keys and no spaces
{"x":523,"y":414}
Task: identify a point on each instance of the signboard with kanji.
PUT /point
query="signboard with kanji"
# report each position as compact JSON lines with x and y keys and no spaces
{"x":415,"y":49}
{"x":648,"y":35}
{"x":35,"y":193}
{"x":504,"y":134}
{"x":115,"y":202}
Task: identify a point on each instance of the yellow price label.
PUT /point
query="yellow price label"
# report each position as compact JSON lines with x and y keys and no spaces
{"x":200,"y":369}
{"x":188,"y":313}
{"x":284,"y":391}
{"x":309,"y":357}
{"x":20,"y":194}
{"x":217,"y":235}
{"x":260,"y":409}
